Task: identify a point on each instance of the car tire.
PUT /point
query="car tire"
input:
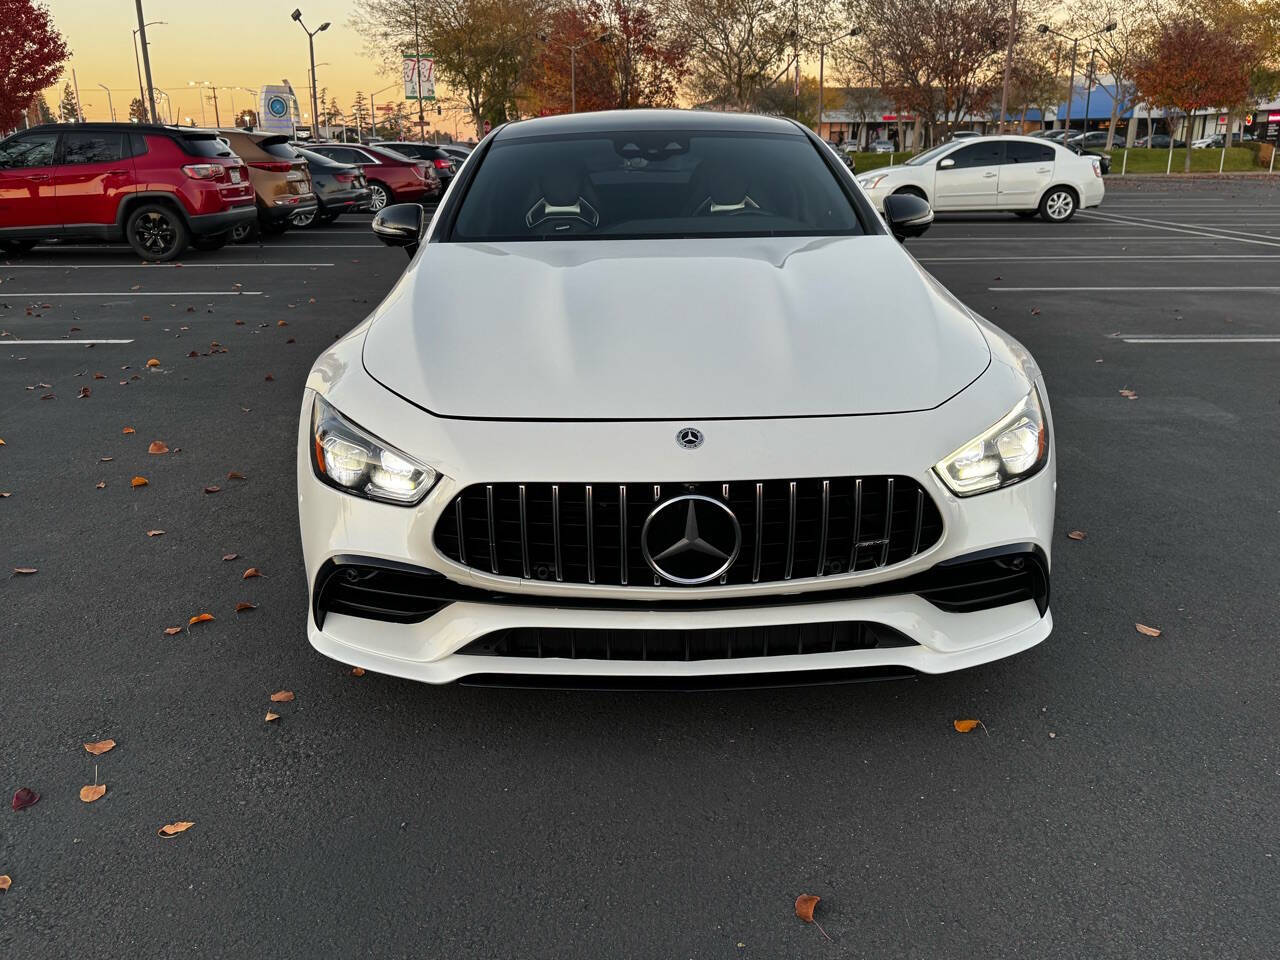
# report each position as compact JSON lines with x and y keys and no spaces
{"x":157,"y":232}
{"x":213,"y":241}
{"x":305,"y":218}
{"x":1058,"y":205}
{"x":379,"y":196}
{"x":245,"y":232}
{"x":16,"y":248}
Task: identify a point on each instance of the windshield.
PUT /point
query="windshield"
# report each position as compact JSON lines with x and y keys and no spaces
{"x":654,"y":183}
{"x":929,"y":155}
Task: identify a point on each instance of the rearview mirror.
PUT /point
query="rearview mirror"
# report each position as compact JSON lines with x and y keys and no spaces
{"x":945,"y":163}
{"x":401,"y":225}
{"x":907,"y":215}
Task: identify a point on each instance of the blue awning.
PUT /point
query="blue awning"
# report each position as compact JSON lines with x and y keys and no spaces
{"x":1099,"y":102}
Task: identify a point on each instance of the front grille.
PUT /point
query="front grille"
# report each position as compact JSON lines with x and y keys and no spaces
{"x":685,"y":645}
{"x":591,"y":533}
{"x":971,"y":585}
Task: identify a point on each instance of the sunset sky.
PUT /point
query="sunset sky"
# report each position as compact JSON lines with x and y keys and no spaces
{"x":245,"y":43}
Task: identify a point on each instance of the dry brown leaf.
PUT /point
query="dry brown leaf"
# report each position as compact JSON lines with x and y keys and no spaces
{"x":235,"y":475}
{"x":251,"y":573}
{"x":357,"y":671}
{"x":172,"y":631}
{"x":271,"y":716}
{"x":105,"y":459}
{"x":2,"y":443}
{"x":282,"y":696}
{"x":1128,"y":394}
{"x":100,"y":484}
{"x":5,"y":494}
{"x":173,"y":829}
{"x":1147,"y":631}
{"x":965,"y":726}
{"x":92,"y":792}
{"x":153,"y":362}
{"x":212,"y":489}
{"x":25,"y":570}
{"x":269,"y":378}
{"x":200,"y":618}
{"x":242,"y":607}
{"x":138,"y":482}
{"x":155,"y":533}
{"x":6,"y":882}
{"x":99,"y":376}
{"x":158,"y":446}
{"x":100,"y":747}
{"x":230,"y":556}
{"x":128,"y":430}
{"x":83,"y":394}
{"x":1076,"y":535}
{"x":804,"y":906}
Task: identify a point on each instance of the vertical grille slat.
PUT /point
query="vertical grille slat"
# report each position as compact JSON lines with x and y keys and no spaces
{"x":591,"y":533}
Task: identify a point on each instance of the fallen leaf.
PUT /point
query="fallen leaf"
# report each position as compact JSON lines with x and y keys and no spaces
{"x":200,"y":618}
{"x":155,"y":533}
{"x":157,"y":446}
{"x":357,"y":671}
{"x":804,"y":906}
{"x":283,"y":323}
{"x":1147,"y":631}
{"x":251,"y":573}
{"x":105,"y":459}
{"x":236,"y":475}
{"x":282,"y":696}
{"x":5,"y":494}
{"x":1035,"y":311}
{"x":100,"y":484}
{"x":172,"y":631}
{"x":242,"y":607}
{"x":100,"y":747}
{"x":25,"y":570}
{"x":138,"y":482}
{"x":212,"y":489}
{"x":173,"y":829}
{"x":24,"y":797}
{"x":230,"y":556}
{"x":193,"y":354}
{"x":153,"y":362}
{"x":2,"y":443}
{"x":965,"y":726}
{"x":1129,"y":394}
{"x":1076,"y":535}
{"x":269,"y":378}
{"x":92,"y":792}
{"x":6,"y":882}
{"x":83,"y":394}
{"x":271,"y":716}
{"x":99,"y":376}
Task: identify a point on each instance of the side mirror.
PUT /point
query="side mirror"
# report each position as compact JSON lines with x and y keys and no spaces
{"x":946,"y":163}
{"x":907,"y":215}
{"x":401,"y":225}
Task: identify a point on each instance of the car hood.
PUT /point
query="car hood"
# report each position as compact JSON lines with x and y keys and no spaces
{"x":672,"y":330}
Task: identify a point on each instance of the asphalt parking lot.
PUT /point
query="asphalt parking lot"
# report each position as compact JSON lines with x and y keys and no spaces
{"x":1119,"y":799}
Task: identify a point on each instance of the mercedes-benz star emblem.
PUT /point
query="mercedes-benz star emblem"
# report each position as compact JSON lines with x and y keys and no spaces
{"x":690,"y":438}
{"x":691,"y":539}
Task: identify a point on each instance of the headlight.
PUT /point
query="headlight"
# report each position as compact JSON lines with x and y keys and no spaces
{"x":1012,"y":450}
{"x":871,"y":181}
{"x":346,"y":457}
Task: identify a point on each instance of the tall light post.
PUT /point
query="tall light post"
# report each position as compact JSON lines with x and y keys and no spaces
{"x":1008,"y":66}
{"x":207,"y":85}
{"x":142,"y":93}
{"x":110,"y":106}
{"x":573,"y":49}
{"x":373,"y":110}
{"x":1075,"y":47}
{"x":316,"y":118}
{"x":311,"y":46}
{"x":822,"y":64}
{"x":146,"y":57}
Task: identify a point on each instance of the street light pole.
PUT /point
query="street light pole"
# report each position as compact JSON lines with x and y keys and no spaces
{"x":822,"y":64}
{"x":311,"y":46}
{"x":1071,"y":83}
{"x":573,"y":49}
{"x":142,"y":94}
{"x":1008,"y":65}
{"x":1088,"y":90}
{"x":110,"y":107}
{"x":146,"y":59}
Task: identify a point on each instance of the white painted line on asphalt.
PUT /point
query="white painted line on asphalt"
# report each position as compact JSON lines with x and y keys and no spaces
{"x":28,"y":343}
{"x":1275,"y":339}
{"x":1104,"y":258}
{"x":1131,"y":289}
{"x":130,"y":294}
{"x":1174,"y":227}
{"x":147,"y":266}
{"x":1022,"y":239}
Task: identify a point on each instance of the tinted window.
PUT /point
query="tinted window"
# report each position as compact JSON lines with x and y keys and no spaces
{"x":205,"y":146}
{"x":984,"y":154}
{"x":654,"y":183}
{"x":320,"y":160}
{"x":32,"y":150}
{"x":342,"y":154}
{"x":278,"y":147}
{"x":92,"y":147}
{"x":1020,"y":151}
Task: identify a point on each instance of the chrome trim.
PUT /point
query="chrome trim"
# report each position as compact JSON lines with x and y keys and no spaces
{"x":493,"y":541}
{"x":462,"y":537}
{"x":555,"y":528}
{"x":691,"y":498}
{"x":915,"y":543}
{"x":591,"y":538}
{"x":524,"y":535}
{"x":857,"y":524}
{"x":791,"y":531}
{"x":888,"y":523}
{"x":622,"y":509}
{"x":755,"y":569}
{"x":826,"y":513}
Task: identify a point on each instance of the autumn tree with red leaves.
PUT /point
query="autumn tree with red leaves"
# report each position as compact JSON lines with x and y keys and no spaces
{"x":32,"y":53}
{"x":1187,"y":66}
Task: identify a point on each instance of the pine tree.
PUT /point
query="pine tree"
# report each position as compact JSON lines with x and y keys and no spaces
{"x":67,"y":110}
{"x":137,"y":111}
{"x":359,"y":111}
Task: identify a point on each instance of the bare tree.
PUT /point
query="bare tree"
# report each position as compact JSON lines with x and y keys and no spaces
{"x":736,"y":47}
{"x":1117,"y":49}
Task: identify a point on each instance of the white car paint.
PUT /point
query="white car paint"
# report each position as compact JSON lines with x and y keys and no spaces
{"x":578,"y":361}
{"x":952,"y":185}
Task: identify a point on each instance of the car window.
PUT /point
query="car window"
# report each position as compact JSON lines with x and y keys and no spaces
{"x":929,"y":155}
{"x":343,"y":154}
{"x":206,"y":145}
{"x":654,"y":183}
{"x":92,"y":147}
{"x":984,"y":154}
{"x":278,"y":147}
{"x":32,"y":150}
{"x":1020,"y":151}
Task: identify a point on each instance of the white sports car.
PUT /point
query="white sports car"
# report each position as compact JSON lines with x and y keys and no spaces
{"x":1023,"y":175}
{"x":606,"y":430}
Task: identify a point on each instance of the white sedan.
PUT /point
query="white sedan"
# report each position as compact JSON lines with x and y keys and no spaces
{"x":604,"y":430}
{"x":1024,"y":175}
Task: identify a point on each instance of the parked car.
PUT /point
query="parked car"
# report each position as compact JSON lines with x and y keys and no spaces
{"x":459,"y":151}
{"x":1019,"y":174}
{"x":965,"y":134}
{"x":1104,"y":160}
{"x":1159,"y":141}
{"x":158,"y":188}
{"x":1093,"y":140}
{"x":881,"y":146}
{"x":392,"y":177}
{"x":1054,"y":136}
{"x":339,"y":187}
{"x":1204,"y":143}
{"x":280,"y":180}
{"x":444,"y":165}
{"x":844,"y":153}
{"x":787,"y":496}
{"x":1218,"y":140}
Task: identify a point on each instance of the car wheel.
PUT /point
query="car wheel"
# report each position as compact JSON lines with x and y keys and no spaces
{"x":245,"y":232}
{"x":16,"y":248}
{"x":157,"y":233}
{"x":215,"y":241}
{"x":379,"y":197}
{"x":1058,"y":205}
{"x":304,"y":218}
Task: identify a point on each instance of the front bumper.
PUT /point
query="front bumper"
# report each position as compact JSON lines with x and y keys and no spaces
{"x":336,"y":526}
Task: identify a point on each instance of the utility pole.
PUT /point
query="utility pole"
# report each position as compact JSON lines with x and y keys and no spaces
{"x":822,"y":64}
{"x":110,"y":106}
{"x":217,"y":119}
{"x":146,"y":60}
{"x":1008,"y":65}
{"x":417,"y":74}
{"x":76,"y":86}
{"x":311,"y":46}
{"x":1075,"y":46}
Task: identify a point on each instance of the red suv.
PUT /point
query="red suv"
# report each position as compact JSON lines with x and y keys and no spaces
{"x":159,"y":188}
{"x":393,"y":177}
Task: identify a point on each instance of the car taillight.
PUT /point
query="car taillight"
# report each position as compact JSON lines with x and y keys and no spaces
{"x":204,"y":171}
{"x":1097,"y":169}
{"x":442,"y":164}
{"x":274,"y":166}
{"x":344,"y":177}
{"x":421,"y":170}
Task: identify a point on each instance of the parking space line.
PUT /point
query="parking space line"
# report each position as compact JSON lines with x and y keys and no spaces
{"x":1086,"y":238}
{"x":37,"y":343}
{"x":148,"y":266}
{"x":1174,"y":227}
{"x":1132,"y":289}
{"x":130,"y":294}
{"x":1261,"y":339}
{"x":1107,"y":259}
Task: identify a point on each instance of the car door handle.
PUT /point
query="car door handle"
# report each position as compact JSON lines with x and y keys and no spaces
{"x":38,"y":176}
{"x":988,"y":176}
{"x":116,"y":173}
{"x":1042,"y":169}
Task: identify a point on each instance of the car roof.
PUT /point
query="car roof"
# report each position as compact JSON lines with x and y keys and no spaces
{"x":610,"y":121}
{"x":104,"y":126}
